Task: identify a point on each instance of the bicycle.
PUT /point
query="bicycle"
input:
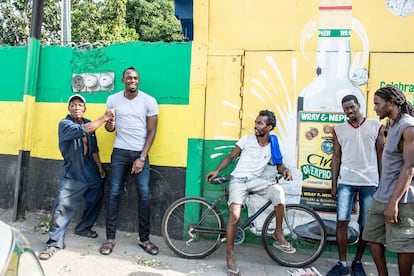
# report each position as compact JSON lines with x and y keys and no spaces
{"x":193,"y":228}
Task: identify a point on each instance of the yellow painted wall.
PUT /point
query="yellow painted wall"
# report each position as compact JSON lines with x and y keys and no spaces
{"x":171,"y":140}
{"x":176,"y":124}
{"x":257,"y":25}
{"x":391,"y":68}
{"x":12,"y":128}
{"x":287,"y":31}
{"x":274,"y":45}
{"x":270,"y":24}
{"x":224,"y":96}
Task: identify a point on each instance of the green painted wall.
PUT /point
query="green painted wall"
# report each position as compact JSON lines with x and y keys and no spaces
{"x":164,"y":69}
{"x":165,"y":74}
{"x":12,"y":72}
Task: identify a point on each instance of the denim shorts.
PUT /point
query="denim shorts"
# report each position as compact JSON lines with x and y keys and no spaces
{"x":345,"y":197}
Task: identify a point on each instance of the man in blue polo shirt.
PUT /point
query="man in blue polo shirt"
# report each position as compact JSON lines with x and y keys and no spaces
{"x":81,"y":176}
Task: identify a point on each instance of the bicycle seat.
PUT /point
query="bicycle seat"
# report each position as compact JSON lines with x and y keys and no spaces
{"x":220,"y":179}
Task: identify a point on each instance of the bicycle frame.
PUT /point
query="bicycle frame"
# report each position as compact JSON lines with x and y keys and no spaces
{"x":194,"y":227}
{"x":214,"y":204}
{"x":250,"y":219}
{"x":244,"y":225}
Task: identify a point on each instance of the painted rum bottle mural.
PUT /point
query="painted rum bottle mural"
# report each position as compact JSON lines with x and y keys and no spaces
{"x":319,"y":104}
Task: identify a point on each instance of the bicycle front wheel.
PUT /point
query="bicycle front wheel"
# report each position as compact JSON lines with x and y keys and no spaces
{"x":309,"y":244}
{"x":191,"y":228}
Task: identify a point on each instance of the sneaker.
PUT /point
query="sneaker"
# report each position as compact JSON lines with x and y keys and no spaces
{"x":357,"y":269}
{"x":338,"y":269}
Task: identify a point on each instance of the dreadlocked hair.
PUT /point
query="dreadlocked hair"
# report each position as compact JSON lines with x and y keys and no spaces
{"x":390,"y":93}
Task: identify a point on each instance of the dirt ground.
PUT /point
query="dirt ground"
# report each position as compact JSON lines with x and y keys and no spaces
{"x":82,"y":257}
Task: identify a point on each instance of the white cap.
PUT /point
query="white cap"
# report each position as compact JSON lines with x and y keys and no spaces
{"x":76,"y":96}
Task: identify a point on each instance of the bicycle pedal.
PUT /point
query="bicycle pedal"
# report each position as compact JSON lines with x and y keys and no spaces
{"x":240,"y":236}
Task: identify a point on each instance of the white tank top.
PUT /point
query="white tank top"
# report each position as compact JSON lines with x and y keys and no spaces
{"x":359,"y":163}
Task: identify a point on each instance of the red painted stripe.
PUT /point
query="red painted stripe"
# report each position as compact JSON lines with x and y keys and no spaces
{"x":324,"y":8}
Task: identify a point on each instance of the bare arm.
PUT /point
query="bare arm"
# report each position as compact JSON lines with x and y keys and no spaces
{"x":336,"y":163}
{"x":379,"y":147}
{"x":97,"y":160}
{"x":224,"y":163}
{"x":405,"y":177}
{"x":287,"y":174}
{"x":92,"y":126}
{"x":151,"y":130}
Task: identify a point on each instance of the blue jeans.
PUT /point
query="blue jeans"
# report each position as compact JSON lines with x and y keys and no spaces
{"x":121,"y":164}
{"x":69,"y":197}
{"x":345,"y":199}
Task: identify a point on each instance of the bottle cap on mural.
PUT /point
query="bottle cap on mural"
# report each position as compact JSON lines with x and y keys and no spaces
{"x":76,"y":96}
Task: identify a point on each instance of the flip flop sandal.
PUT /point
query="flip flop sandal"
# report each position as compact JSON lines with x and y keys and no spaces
{"x":286,"y":248}
{"x":48,"y":253}
{"x":233,"y":272}
{"x":89,"y":234}
{"x":107,"y":248}
{"x":149,"y":247}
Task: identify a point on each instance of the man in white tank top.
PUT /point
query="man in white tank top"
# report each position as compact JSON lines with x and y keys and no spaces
{"x":356,"y":166}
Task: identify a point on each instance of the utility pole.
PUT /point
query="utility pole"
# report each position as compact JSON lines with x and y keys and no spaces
{"x":29,"y":99}
{"x":66,"y":28}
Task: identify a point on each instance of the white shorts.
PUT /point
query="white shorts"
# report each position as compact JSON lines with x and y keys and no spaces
{"x":239,"y":190}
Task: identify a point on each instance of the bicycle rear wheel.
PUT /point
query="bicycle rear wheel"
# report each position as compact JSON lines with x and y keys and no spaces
{"x":308,"y":247}
{"x":191,"y":228}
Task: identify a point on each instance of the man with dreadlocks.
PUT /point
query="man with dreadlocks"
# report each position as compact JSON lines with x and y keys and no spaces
{"x":390,"y":220}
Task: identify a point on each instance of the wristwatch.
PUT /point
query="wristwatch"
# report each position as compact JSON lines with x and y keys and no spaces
{"x":142,"y":158}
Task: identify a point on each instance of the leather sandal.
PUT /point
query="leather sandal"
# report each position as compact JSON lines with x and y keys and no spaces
{"x":149,"y":247}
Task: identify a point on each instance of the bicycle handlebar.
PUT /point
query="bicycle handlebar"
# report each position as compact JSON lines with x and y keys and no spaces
{"x":221,"y":179}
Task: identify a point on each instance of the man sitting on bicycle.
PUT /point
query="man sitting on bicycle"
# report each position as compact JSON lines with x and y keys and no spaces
{"x":256,"y":151}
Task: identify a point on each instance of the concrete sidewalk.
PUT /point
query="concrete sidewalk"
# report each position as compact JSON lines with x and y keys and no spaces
{"x":82,"y":257}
